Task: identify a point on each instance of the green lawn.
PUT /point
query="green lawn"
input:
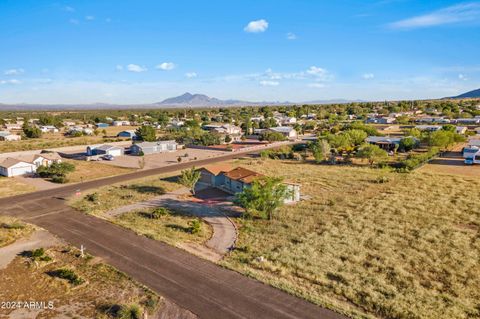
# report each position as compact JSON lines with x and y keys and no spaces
{"x":407,"y":248}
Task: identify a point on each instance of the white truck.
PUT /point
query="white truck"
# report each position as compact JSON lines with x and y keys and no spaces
{"x":471,"y":154}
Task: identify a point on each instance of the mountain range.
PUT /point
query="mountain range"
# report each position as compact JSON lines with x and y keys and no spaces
{"x":467,"y":95}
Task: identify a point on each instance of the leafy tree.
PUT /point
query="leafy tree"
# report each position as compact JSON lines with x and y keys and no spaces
{"x":189,"y":178}
{"x":356,"y":136}
{"x":146,"y":133}
{"x":263,"y":197}
{"x":32,"y":131}
{"x":372,"y":153}
{"x":228,"y":139}
{"x":163,"y":119}
{"x":57,"y":172}
{"x":208,"y":139}
{"x":271,"y":136}
{"x":321,"y":150}
{"x":340,"y":142}
{"x":407,"y":144}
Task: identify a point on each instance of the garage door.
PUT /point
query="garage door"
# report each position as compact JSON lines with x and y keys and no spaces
{"x":115,"y":152}
{"x":16,"y":171}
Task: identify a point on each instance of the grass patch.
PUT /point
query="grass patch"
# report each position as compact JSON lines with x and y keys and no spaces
{"x":114,"y":196}
{"x":170,"y":228}
{"x":12,"y":229}
{"x":370,"y":243}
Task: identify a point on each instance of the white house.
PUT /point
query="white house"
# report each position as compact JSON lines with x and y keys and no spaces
{"x":428,"y":128}
{"x":153,"y":147}
{"x":287,"y":131}
{"x":48,"y":129}
{"x":7,"y":136}
{"x":121,"y":123}
{"x":46,"y":159}
{"x":13,"y":167}
{"x":104,"y":150}
{"x":14,"y":126}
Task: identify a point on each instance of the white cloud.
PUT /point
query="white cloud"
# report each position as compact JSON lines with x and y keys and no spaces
{"x":269,"y":83}
{"x":136,"y":68}
{"x":462,"y":77}
{"x":368,"y":76}
{"x":89,"y":18}
{"x":12,"y":81}
{"x":191,"y":75}
{"x":291,"y":36}
{"x":316,"y":85}
{"x":256,"y":26}
{"x":14,"y":72}
{"x":166,"y":66}
{"x":74,"y":21}
{"x":464,"y":12}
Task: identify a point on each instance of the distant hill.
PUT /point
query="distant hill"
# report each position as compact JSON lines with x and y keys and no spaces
{"x":470,"y":94}
{"x":188,"y":99}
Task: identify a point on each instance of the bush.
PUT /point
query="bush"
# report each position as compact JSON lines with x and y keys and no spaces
{"x":92,"y":197}
{"x":130,"y":312}
{"x":195,"y":226}
{"x":157,"y":213}
{"x":415,"y":160}
{"x":14,"y":225}
{"x":68,"y":275}
{"x":59,"y":179}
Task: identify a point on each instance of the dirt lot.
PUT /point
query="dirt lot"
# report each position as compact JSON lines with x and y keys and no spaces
{"x":451,"y":163}
{"x":162,"y":159}
{"x":85,"y":171}
{"x":11,"y":186}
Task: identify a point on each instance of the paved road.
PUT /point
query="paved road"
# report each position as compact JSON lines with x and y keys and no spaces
{"x":204,"y":288}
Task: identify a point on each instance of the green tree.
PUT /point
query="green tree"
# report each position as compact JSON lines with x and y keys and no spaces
{"x":32,"y":131}
{"x":321,"y":150}
{"x":263,"y":197}
{"x":407,"y":144}
{"x":146,"y":133}
{"x":372,"y":153}
{"x":189,"y":178}
{"x":272,"y":136}
{"x":357,"y":137}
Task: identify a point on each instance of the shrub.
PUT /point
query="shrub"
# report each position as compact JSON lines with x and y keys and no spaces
{"x":415,"y":160}
{"x":159,"y":212}
{"x":14,"y":225}
{"x":68,"y":275}
{"x":132,"y":311}
{"x":93,"y":197}
{"x":195,"y":226}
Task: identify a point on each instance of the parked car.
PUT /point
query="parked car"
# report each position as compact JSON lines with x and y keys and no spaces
{"x":108,"y":157}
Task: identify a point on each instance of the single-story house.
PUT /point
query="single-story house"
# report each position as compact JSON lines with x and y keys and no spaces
{"x":121,"y":123}
{"x":14,"y":126}
{"x":102,"y":125}
{"x":428,"y":128}
{"x":7,"y":136}
{"x":381,"y":120}
{"x":46,"y":159}
{"x":287,"y":131}
{"x":129,"y":133}
{"x":432,"y":120}
{"x":384,"y":142}
{"x":48,"y":129}
{"x":468,"y":120}
{"x":104,"y":149}
{"x":235,"y":180}
{"x":153,"y":147}
{"x":14,"y":167}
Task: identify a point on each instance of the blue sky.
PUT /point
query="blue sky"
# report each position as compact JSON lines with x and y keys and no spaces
{"x":143,"y":51}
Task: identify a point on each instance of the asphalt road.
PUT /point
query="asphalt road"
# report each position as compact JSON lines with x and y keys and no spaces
{"x":202,"y":287}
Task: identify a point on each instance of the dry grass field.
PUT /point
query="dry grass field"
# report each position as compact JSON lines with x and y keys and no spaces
{"x":113,"y":196}
{"x":102,"y":292}
{"x":12,"y":229}
{"x":85,"y":171}
{"x":11,"y":186}
{"x":172,"y":228}
{"x":370,"y":243}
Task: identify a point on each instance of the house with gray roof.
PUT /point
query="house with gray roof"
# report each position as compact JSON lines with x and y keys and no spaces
{"x":153,"y":147}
